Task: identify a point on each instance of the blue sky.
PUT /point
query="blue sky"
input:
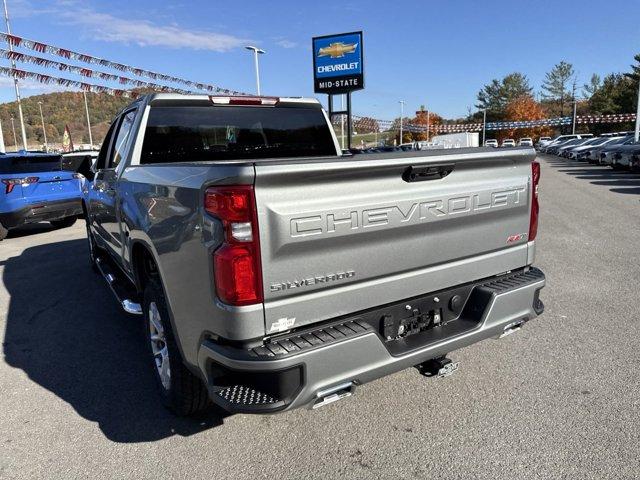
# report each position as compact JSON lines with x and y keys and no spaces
{"x":423,"y":52}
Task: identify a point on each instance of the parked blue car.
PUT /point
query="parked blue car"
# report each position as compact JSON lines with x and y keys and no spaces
{"x":34,"y":188}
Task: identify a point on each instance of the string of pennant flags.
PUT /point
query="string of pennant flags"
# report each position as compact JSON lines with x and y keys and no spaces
{"x":85,"y":72}
{"x":366,"y":122}
{"x":41,"y":47}
{"x":66,"y":82}
{"x":611,"y":118}
{"x":379,"y":124}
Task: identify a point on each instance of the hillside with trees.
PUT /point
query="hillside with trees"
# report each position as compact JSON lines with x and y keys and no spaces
{"x":60,"y":109}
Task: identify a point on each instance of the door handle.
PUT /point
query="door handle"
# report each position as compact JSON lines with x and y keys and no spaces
{"x":424,"y":173}
{"x":104,"y":187}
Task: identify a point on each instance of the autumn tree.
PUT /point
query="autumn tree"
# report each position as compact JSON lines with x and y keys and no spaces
{"x":522,"y":109}
{"x":423,"y":119}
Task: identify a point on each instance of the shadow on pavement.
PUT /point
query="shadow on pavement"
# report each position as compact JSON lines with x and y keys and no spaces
{"x":621,"y":181}
{"x":66,"y":332}
{"x":31,"y":229}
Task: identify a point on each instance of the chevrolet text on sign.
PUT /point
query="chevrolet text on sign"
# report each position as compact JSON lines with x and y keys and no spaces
{"x":337,"y":63}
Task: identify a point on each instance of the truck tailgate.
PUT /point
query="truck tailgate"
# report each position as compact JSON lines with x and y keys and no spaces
{"x":345,"y":235}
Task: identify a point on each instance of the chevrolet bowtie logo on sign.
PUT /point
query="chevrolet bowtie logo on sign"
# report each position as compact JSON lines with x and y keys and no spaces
{"x":337,"y":63}
{"x":337,"y":50}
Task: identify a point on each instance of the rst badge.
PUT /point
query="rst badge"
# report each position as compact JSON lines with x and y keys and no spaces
{"x":516,"y":238}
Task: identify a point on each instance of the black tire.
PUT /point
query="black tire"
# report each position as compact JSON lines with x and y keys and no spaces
{"x":184,"y":393}
{"x":64,"y":222}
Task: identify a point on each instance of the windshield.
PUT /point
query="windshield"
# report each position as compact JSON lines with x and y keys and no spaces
{"x":620,"y":140}
{"x":600,"y":141}
{"x":194,"y":133}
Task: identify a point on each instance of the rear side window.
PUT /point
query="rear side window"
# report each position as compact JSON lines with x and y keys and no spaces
{"x":29,"y":164}
{"x":209,"y":133}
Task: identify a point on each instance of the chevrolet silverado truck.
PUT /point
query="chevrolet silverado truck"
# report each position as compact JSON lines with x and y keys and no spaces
{"x":274,"y":272}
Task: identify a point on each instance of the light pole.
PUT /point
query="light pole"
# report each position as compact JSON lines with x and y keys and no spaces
{"x":637,"y":134}
{"x":44,"y":130}
{"x":256,"y":51}
{"x":2,"y":149}
{"x":427,"y":126}
{"x":573,"y":129}
{"x":15,"y":140}
{"x":86,"y":109}
{"x":484,"y":126}
{"x":401,"y":102}
{"x":15,"y":82}
{"x":342,"y":120}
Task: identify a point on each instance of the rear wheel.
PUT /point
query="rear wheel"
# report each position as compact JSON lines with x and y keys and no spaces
{"x":64,"y":222}
{"x":182,"y":392}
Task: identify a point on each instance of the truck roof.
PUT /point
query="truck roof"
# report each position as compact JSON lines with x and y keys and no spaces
{"x":167,"y":99}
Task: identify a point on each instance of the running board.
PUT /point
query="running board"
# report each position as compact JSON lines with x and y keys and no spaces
{"x":118,"y":291}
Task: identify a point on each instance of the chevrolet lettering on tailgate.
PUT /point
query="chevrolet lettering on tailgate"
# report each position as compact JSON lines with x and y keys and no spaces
{"x":355,"y":219}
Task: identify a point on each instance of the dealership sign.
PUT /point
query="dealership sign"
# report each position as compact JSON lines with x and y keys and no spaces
{"x":337,"y":63}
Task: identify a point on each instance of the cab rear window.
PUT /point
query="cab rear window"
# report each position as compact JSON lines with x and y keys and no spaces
{"x":212,"y":133}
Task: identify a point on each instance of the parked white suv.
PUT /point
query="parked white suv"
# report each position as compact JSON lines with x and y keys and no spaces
{"x":508,"y":142}
{"x":525,"y":142}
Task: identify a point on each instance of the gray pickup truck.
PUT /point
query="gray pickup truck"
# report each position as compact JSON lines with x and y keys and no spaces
{"x":274,"y":272}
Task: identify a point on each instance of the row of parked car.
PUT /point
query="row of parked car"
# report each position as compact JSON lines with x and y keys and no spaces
{"x":509,"y":142}
{"x":618,"y":150}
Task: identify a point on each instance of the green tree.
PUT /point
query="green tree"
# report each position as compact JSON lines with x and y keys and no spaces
{"x":635,"y":69}
{"x":556,"y":85}
{"x":497,"y":94}
{"x":616,"y":95}
{"x":589,"y":89}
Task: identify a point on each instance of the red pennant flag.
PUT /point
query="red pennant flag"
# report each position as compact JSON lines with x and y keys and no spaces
{"x":67,"y":143}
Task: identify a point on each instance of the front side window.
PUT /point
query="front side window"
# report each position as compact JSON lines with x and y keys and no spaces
{"x":122,"y":139}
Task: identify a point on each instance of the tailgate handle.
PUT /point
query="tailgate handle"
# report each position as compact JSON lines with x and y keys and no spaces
{"x":431,"y":172}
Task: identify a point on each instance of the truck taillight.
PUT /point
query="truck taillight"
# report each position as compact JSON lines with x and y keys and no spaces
{"x":244,"y":100}
{"x":535,"y":207}
{"x":10,"y":183}
{"x":236,"y":262}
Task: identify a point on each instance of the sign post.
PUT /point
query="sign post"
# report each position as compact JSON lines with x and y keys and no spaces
{"x":338,"y":69}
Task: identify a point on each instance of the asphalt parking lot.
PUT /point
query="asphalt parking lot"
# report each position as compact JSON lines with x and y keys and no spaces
{"x":560,"y":399}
